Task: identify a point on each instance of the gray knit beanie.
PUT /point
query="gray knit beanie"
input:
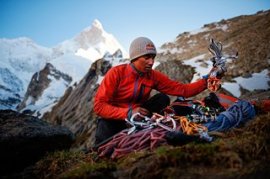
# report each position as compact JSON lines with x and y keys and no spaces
{"x":141,"y":46}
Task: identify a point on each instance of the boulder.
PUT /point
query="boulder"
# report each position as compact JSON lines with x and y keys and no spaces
{"x":25,"y":139}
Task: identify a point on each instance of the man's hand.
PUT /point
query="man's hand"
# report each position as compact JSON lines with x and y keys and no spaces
{"x":217,"y":72}
{"x":214,"y":78}
{"x":141,"y":110}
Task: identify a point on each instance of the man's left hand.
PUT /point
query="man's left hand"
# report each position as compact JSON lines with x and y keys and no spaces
{"x":218,"y":72}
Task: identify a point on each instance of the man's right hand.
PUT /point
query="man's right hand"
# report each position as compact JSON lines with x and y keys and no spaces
{"x":141,"y":110}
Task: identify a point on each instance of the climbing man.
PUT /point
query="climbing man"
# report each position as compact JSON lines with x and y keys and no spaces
{"x":125,"y":90}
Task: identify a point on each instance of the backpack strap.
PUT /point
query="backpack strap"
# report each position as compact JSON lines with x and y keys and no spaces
{"x":226,"y":101}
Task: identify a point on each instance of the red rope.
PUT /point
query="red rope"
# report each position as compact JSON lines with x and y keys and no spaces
{"x":123,"y":143}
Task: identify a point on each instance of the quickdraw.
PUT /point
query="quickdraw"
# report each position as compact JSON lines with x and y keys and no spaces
{"x":190,"y":128}
{"x":148,"y":123}
{"x":200,"y":113}
{"x":162,"y":120}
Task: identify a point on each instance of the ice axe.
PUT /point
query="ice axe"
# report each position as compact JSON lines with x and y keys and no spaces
{"x":219,"y":65}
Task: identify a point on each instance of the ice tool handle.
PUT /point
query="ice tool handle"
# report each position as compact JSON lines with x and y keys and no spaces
{"x":219,"y":61}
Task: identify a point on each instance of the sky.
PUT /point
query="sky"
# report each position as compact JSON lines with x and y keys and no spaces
{"x":49,"y":22}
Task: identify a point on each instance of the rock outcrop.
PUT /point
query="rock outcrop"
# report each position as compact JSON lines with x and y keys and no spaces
{"x":40,"y":82}
{"x":247,"y":34}
{"x":25,"y":139}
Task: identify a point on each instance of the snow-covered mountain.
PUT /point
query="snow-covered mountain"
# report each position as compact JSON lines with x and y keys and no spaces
{"x":22,"y":60}
{"x":49,"y":84}
{"x":92,"y":43}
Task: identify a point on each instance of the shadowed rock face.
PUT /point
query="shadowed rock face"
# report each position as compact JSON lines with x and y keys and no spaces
{"x":25,"y":139}
{"x":40,"y":82}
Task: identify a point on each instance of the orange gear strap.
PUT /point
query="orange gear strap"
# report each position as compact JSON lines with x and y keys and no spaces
{"x":190,"y":128}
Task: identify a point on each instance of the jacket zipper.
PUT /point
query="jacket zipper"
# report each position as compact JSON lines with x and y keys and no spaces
{"x":134,"y":93}
{"x":140,"y":93}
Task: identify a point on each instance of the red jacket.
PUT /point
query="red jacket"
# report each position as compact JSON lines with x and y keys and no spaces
{"x":123,"y":88}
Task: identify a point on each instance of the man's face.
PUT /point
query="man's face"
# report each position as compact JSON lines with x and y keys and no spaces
{"x":145,"y":63}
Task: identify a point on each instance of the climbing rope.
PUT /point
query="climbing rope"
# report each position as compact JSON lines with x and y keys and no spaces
{"x":149,"y":133}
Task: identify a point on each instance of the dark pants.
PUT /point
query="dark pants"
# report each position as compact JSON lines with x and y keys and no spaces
{"x":106,"y":128}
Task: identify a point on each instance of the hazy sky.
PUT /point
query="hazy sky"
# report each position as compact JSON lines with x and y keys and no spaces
{"x":49,"y":22}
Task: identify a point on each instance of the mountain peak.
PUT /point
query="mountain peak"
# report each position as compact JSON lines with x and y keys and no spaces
{"x":96,"y":24}
{"x":92,"y":40}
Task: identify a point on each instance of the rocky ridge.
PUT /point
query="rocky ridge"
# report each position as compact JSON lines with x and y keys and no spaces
{"x":75,"y":109}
